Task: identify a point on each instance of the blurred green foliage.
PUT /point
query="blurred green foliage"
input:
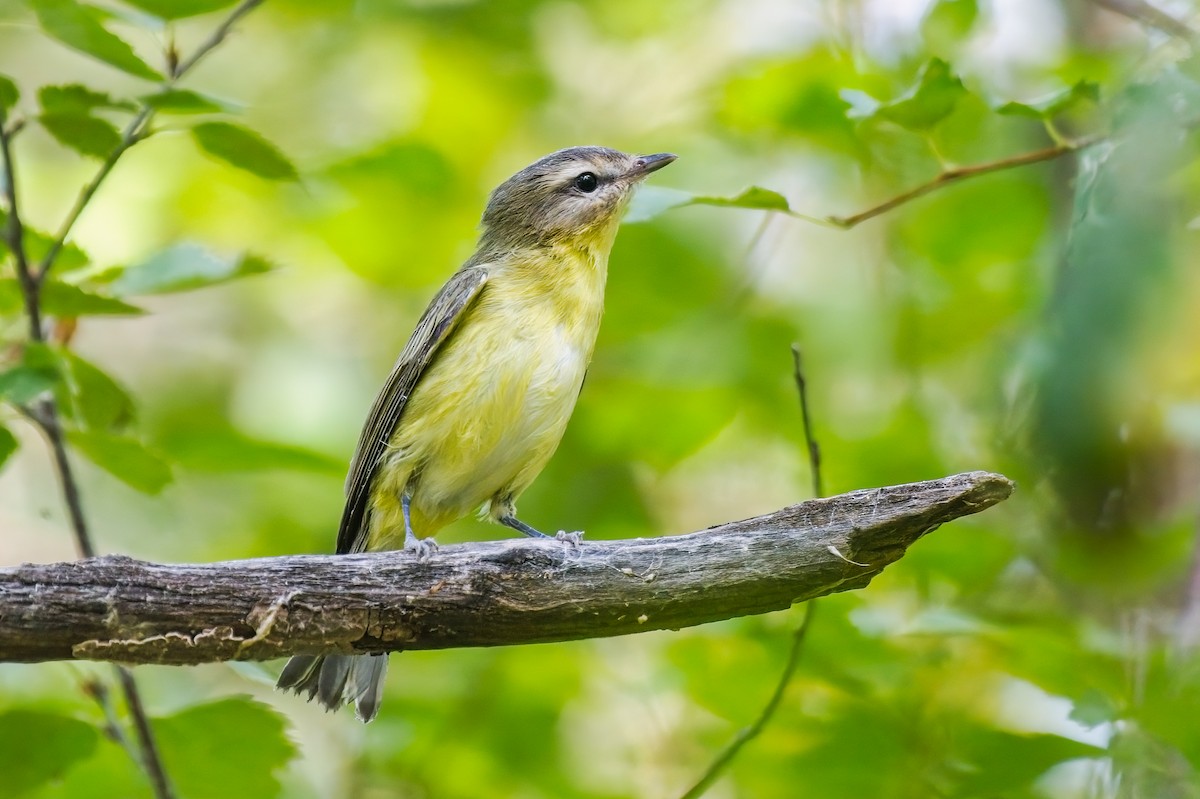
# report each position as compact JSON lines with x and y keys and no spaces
{"x":233,"y":296}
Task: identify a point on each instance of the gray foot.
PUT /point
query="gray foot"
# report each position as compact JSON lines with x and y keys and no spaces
{"x":422,"y":547}
{"x":574,"y":539}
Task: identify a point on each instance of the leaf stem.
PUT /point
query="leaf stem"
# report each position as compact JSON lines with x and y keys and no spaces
{"x":955,"y":174}
{"x":814,"y":448}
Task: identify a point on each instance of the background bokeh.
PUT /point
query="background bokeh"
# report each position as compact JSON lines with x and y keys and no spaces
{"x":1039,"y":321}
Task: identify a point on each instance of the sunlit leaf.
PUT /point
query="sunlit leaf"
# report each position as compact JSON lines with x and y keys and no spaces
{"x":183,"y":101}
{"x":39,"y":746}
{"x":933,"y":99}
{"x":178,"y":9}
{"x":232,"y":745}
{"x":9,"y":94}
{"x":74,"y":98}
{"x":65,"y":300}
{"x":76,"y":26}
{"x":1058,"y":103}
{"x":949,"y":22}
{"x":125,"y":458}
{"x":8,"y":445}
{"x":651,"y":201}
{"x":83,"y":133}
{"x":245,"y":149}
{"x":184,"y":267}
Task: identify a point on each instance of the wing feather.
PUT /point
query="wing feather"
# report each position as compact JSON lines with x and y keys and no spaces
{"x":437,"y":323}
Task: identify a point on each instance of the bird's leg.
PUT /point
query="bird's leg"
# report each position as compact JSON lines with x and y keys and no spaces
{"x":509,"y":519}
{"x":424,"y":547}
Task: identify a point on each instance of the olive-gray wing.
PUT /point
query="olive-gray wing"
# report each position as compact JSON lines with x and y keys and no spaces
{"x":436,"y":325}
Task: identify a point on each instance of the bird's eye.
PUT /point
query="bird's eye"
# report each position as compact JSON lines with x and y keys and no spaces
{"x":587,"y":182}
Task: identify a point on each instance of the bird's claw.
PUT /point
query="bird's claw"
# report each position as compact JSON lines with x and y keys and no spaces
{"x":423,"y":548}
{"x":575,"y":539}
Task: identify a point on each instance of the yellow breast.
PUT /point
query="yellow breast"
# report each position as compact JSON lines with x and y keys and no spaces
{"x":490,"y":411}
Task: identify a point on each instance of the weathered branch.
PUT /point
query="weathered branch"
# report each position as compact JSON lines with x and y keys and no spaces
{"x":483,"y":594}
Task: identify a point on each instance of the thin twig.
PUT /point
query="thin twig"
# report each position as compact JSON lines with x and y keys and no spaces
{"x":956,"y":174}
{"x":151,"y":759}
{"x":14,"y":236}
{"x":46,"y":413}
{"x":135,"y":132}
{"x":747,"y":734}
{"x":218,"y":36}
{"x":98,"y":691}
{"x":814,"y":448}
{"x":1141,"y":11}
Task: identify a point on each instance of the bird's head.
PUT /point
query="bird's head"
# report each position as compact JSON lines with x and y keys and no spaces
{"x":571,"y":195}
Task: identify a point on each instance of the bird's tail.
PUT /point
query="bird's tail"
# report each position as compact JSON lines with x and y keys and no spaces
{"x":335,"y":680}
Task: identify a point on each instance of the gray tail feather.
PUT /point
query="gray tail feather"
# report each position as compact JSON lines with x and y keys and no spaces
{"x":334,"y":680}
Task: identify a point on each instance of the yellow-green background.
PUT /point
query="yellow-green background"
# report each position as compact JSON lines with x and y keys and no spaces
{"x":1021,"y":322}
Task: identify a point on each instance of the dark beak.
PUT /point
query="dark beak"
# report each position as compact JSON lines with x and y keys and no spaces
{"x":645,"y":164}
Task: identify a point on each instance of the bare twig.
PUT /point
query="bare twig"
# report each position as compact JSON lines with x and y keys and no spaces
{"x":747,"y":734}
{"x":218,"y":36}
{"x":151,"y":759}
{"x":956,"y":174}
{"x":814,"y":448}
{"x":1141,"y":11}
{"x":14,"y":237}
{"x":136,"y":131}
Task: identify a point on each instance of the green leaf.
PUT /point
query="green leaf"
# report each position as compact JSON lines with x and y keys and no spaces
{"x":1082,"y":92}
{"x":929,"y":102}
{"x":8,"y":445}
{"x":651,"y":201}
{"x":77,"y":27}
{"x":949,"y":22}
{"x":125,"y":458}
{"x":1093,"y":709}
{"x":96,"y":400}
{"x":1004,"y":761}
{"x":244,"y":149}
{"x":65,"y":300}
{"x":9,"y":94}
{"x":212,"y":747}
{"x":36,"y":374}
{"x":74,"y":98}
{"x":39,"y":747}
{"x":178,"y":9}
{"x":183,"y":101}
{"x":184,"y":267}
{"x":83,"y":133}
{"x":224,"y":450}
{"x":37,"y":244}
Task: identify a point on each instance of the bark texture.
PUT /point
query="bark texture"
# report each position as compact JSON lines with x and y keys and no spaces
{"x":482,"y":594}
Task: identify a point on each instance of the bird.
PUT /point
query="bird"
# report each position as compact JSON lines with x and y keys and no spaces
{"x":481,"y":394}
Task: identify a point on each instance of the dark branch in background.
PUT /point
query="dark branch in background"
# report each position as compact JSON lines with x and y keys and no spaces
{"x":483,"y":594}
{"x":44,"y":413}
{"x":747,"y":734}
{"x":810,"y":440}
{"x":1141,"y":11}
{"x":955,"y":174}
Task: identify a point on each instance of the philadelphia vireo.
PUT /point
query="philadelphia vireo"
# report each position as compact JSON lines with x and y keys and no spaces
{"x":480,"y":396}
